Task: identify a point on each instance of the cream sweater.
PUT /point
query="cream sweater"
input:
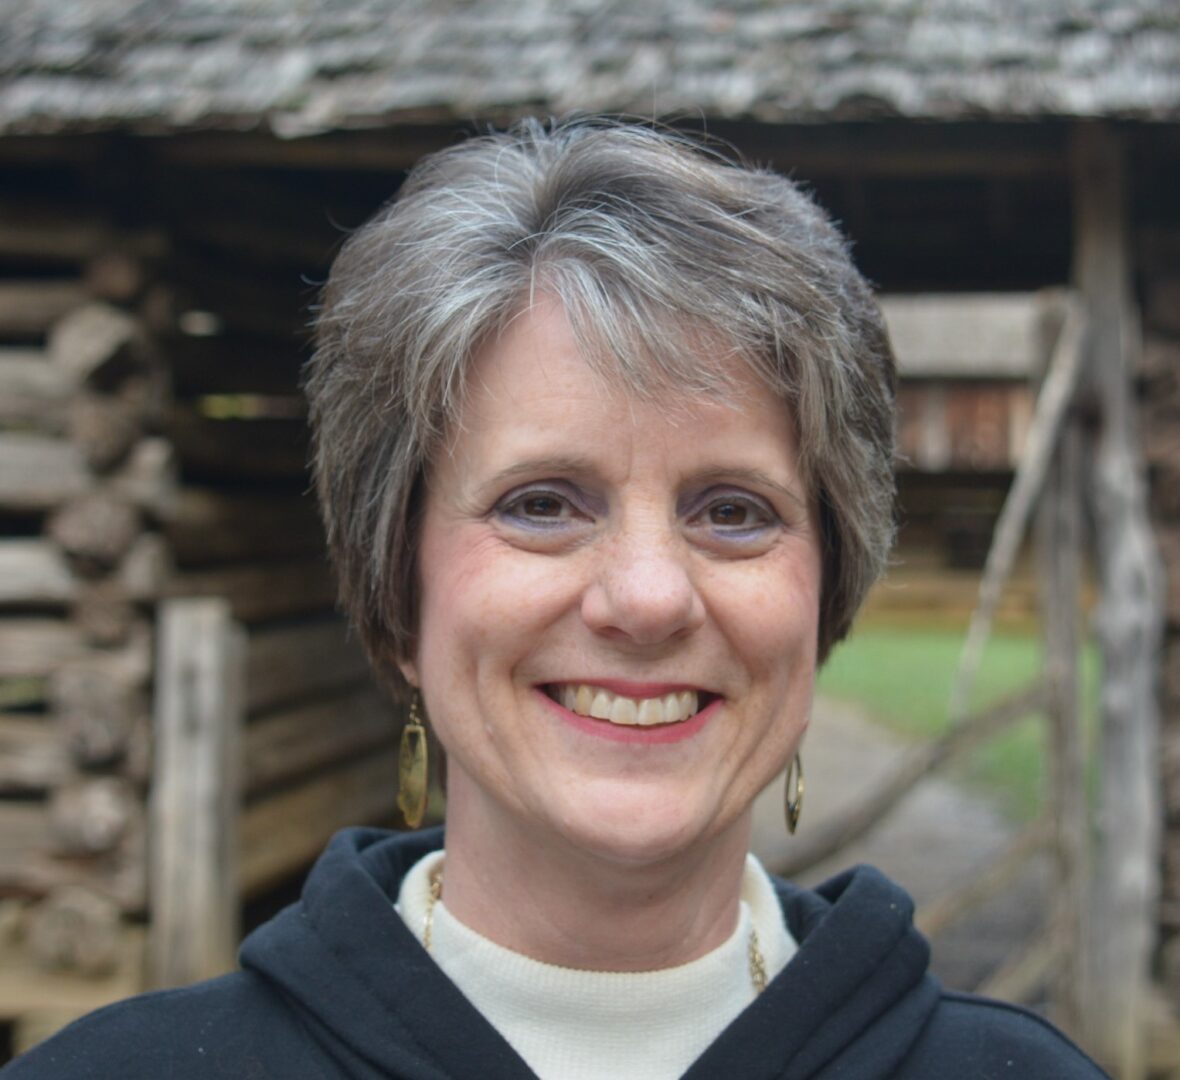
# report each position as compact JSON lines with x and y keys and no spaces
{"x":600,"y":1025}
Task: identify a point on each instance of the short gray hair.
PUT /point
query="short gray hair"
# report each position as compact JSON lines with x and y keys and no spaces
{"x":652,"y":243}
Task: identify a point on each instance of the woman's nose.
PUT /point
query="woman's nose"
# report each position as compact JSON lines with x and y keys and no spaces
{"x":644,"y":591}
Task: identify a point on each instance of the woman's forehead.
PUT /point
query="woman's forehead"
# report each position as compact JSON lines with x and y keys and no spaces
{"x":534,"y":396}
{"x":679,"y":365}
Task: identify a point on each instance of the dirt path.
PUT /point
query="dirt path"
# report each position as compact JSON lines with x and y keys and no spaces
{"x":929,"y":843}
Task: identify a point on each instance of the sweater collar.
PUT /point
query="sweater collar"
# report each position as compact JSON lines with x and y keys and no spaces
{"x":343,"y":955}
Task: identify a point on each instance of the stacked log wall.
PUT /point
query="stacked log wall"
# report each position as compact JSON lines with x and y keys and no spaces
{"x":84,"y":481}
{"x":1157,"y":260}
{"x":153,"y":444}
{"x":319,"y":746}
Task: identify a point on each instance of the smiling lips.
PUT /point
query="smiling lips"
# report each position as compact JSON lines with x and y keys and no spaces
{"x":601,"y":704}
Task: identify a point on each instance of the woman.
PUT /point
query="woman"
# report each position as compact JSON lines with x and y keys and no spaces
{"x":604,"y":436}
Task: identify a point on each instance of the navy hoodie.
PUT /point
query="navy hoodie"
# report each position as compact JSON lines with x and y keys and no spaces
{"x":336,"y":987}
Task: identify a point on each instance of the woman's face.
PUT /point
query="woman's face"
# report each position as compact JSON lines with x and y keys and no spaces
{"x":619,"y":603}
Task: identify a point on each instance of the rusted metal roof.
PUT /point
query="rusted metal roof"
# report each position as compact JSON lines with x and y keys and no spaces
{"x":299,"y":67}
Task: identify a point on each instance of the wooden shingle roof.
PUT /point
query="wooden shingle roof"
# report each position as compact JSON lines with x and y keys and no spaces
{"x":304,"y":66}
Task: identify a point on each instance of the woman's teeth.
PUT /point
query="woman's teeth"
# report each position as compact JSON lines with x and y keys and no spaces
{"x":642,"y":712}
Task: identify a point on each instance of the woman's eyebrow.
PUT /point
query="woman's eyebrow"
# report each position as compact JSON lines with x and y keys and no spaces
{"x":560,"y":465}
{"x":754,"y":477}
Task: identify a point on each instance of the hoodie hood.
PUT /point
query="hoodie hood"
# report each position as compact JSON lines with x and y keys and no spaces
{"x":852,"y":1001}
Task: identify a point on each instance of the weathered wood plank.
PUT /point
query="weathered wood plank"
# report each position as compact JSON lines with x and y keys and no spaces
{"x":150,"y":477}
{"x":32,"y":757}
{"x":983,"y":335}
{"x":288,"y":663}
{"x":1060,"y":545}
{"x":1169,"y":542}
{"x":38,"y":472}
{"x":105,"y":427}
{"x":281,"y":834}
{"x":75,"y":929}
{"x":104,"y":612}
{"x":195,"y":789}
{"x":1128,"y":620}
{"x":97,"y":529}
{"x":1057,"y":392}
{"x":146,"y":568}
{"x":281,"y":746}
{"x":98,"y":344}
{"x":96,"y":706}
{"x":204,"y":526}
{"x":29,"y":308}
{"x":29,"y":866}
{"x":39,"y":1002}
{"x":33,"y":573}
{"x":259,"y":592}
{"x":34,"y":647}
{"x":93,"y":815}
{"x":263,"y":449}
{"x":50,"y":233}
{"x":34,"y":394}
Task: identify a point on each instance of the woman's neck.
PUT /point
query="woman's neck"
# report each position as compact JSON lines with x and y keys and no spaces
{"x":564,"y":906}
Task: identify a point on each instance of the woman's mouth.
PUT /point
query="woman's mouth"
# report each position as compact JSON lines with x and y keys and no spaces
{"x":586,"y":699}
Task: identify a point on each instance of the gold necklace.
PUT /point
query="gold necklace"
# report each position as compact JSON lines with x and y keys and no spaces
{"x":754,"y":956}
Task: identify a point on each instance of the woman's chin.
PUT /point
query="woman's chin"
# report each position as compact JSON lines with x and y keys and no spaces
{"x":638,"y":831}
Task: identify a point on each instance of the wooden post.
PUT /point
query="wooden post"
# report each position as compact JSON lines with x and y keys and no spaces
{"x":1054,"y":400}
{"x":1129,"y":618}
{"x":195,"y":792}
{"x":1060,"y":551}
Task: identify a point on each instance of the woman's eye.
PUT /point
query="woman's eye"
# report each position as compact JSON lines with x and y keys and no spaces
{"x":736,"y":515}
{"x":729,"y":514}
{"x":539,"y":508}
{"x":542,"y":506}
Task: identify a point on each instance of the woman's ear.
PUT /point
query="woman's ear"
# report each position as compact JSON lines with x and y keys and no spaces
{"x":409,"y":670}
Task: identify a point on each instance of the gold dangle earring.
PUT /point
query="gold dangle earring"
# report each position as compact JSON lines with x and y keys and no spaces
{"x":412,"y":769}
{"x":793,"y":800}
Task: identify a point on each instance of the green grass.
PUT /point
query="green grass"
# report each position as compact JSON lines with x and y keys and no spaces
{"x":902,"y":676}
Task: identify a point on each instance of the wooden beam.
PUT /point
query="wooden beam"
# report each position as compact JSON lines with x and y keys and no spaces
{"x":981,"y":335}
{"x":1128,"y":619}
{"x":258,"y":592}
{"x":34,"y":394}
{"x":1056,"y":394}
{"x":1060,"y":548}
{"x":29,"y":308}
{"x":76,"y":929}
{"x":284,"y":745}
{"x":282,"y":833}
{"x":35,"y":647}
{"x":34,"y":573}
{"x":97,"y":705}
{"x":96,"y":530}
{"x":259,"y":449}
{"x":48,"y":233}
{"x":30,"y":866}
{"x":99,"y":344}
{"x":38,"y":472}
{"x":39,"y":1002}
{"x":32,"y":757}
{"x":287,"y":663}
{"x":205,"y":526}
{"x":194,"y":804}
{"x":93,"y":815}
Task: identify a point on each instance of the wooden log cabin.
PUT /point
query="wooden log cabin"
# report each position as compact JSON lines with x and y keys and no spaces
{"x":174,"y":187}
